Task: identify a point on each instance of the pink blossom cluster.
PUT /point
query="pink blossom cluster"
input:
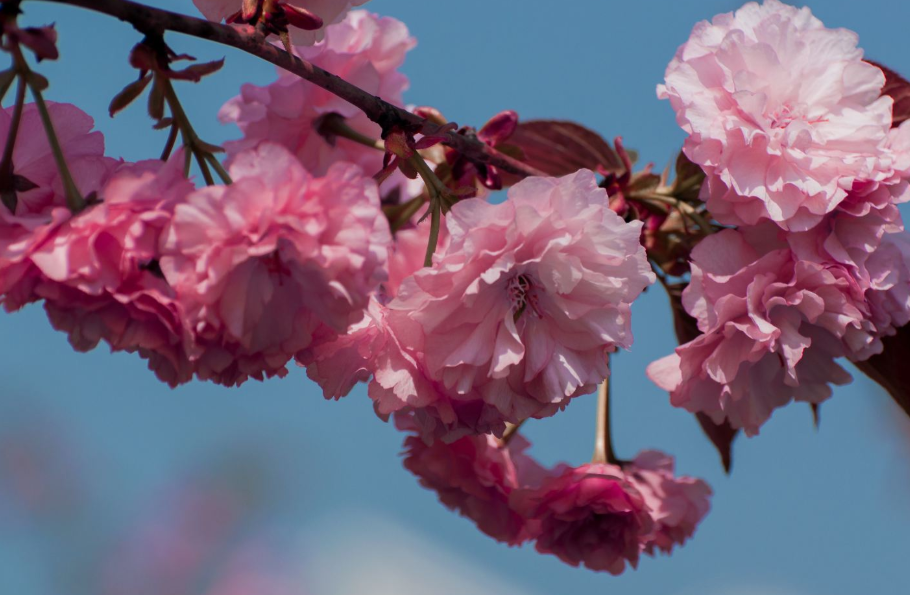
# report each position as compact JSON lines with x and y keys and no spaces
{"x":515,"y":317}
{"x":600,"y":515}
{"x":365,"y":50}
{"x":224,"y":282}
{"x":796,"y":140}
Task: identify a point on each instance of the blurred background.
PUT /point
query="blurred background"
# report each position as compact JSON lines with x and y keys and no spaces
{"x":111,"y":483}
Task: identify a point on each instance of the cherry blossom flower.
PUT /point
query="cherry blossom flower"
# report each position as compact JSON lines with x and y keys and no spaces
{"x":782,"y":114}
{"x":514,"y":318}
{"x":262,"y":264}
{"x":365,"y":50}
{"x":527,"y":298}
{"x":677,"y":504}
{"x":772,"y":326}
{"x":589,"y":515}
{"x":40,"y":201}
{"x":475,"y":475}
{"x":100,"y":274}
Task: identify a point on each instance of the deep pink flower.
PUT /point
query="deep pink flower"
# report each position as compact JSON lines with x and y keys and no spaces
{"x":782,"y":114}
{"x":677,"y":504}
{"x":365,"y":50}
{"x":527,"y":298}
{"x":329,"y":11}
{"x":42,"y":209}
{"x":772,"y":324}
{"x":589,"y":515}
{"x":99,"y":272}
{"x":260,"y":265}
{"x":475,"y":475}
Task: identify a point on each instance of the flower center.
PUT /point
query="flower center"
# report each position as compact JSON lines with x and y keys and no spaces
{"x":523,"y":296}
{"x":787,"y":114}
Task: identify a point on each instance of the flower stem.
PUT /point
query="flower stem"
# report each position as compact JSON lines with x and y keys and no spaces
{"x":510,"y":432}
{"x":169,"y":144}
{"x":435,"y":220}
{"x":194,"y":147}
{"x":333,"y":124}
{"x":603,"y":442}
{"x":7,"y":186}
{"x":74,"y":200}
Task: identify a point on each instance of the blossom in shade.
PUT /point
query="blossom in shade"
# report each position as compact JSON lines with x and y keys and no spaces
{"x":772,"y":327}
{"x":328,"y":11}
{"x":100,"y":277}
{"x":475,"y":475}
{"x":366,"y":51}
{"x":677,"y":504}
{"x":782,"y":114}
{"x":261,"y":265}
{"x":889,"y":292}
{"x":41,"y":202}
{"x":527,"y":298}
{"x":589,"y":515}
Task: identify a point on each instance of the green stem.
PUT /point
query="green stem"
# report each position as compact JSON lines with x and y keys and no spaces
{"x":204,"y":168}
{"x":6,"y":165}
{"x":219,"y":169}
{"x":74,"y":200}
{"x":191,"y":142}
{"x":171,"y":141}
{"x":603,"y":441}
{"x":335,"y":124}
{"x":435,"y":220}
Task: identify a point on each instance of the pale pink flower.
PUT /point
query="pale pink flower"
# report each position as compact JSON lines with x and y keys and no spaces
{"x":772,"y":324}
{"x":782,"y":114}
{"x":514,"y":318}
{"x":366,"y":51}
{"x":474,"y":476}
{"x":527,"y":298}
{"x":330,"y":11}
{"x":100,"y":275}
{"x":262,"y":264}
{"x":677,"y":504}
{"x":42,"y":209}
{"x":589,"y":515}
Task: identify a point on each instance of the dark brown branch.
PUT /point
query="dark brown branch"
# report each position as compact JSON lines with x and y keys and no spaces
{"x":156,"y":21}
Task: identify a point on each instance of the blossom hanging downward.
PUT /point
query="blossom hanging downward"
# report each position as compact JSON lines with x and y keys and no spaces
{"x":475,"y":475}
{"x":263,"y":264}
{"x":782,"y":113}
{"x":366,"y":51}
{"x":35,"y":189}
{"x":772,"y":327}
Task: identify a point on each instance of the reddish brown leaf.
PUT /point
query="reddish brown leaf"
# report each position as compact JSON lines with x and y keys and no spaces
{"x":720,"y":435}
{"x":898,"y":89}
{"x":889,"y":368}
{"x":196,"y":71}
{"x":559,"y":148}
{"x":128,"y":94}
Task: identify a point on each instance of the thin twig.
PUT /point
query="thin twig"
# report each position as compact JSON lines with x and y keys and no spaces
{"x":149,"y":20}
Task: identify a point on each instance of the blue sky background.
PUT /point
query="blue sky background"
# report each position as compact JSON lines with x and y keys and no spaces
{"x":805,"y":512}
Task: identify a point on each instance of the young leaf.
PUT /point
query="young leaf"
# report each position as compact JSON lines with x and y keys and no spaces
{"x":559,"y":148}
{"x":889,"y":368}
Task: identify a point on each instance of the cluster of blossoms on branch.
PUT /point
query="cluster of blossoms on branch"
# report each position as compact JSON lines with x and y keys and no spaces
{"x":804,"y":170}
{"x":363,"y":243}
